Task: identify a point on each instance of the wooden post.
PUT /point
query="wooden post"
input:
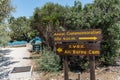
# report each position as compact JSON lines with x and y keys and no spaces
{"x":65,"y":68}
{"x":92,"y":67}
{"x":79,"y":76}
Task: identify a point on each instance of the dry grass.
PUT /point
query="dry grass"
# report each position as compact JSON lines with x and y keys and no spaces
{"x":100,"y":75}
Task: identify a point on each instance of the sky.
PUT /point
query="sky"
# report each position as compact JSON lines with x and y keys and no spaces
{"x":26,"y":7}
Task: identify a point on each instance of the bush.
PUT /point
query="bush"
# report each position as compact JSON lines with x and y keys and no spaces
{"x":78,"y":63}
{"x":49,"y":62}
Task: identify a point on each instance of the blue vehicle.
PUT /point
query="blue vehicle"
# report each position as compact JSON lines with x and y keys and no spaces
{"x":36,"y":40}
{"x":36,"y":44}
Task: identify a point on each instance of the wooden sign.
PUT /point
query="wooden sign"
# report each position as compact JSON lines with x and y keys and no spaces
{"x":76,"y":36}
{"x":74,"y":45}
{"x":78,"y":49}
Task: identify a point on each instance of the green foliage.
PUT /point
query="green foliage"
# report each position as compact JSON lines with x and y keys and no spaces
{"x":48,"y":19}
{"x":73,"y":17}
{"x":20,"y":29}
{"x":78,"y":63}
{"x":101,"y":14}
{"x":5,"y":9}
{"x":49,"y":62}
{"x":4,"y":37}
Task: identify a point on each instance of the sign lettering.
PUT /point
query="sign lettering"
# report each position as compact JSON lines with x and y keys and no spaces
{"x":78,"y":49}
{"x":75,"y":36}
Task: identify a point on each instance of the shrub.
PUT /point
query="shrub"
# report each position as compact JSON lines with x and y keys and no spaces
{"x":78,"y":63}
{"x":49,"y":62}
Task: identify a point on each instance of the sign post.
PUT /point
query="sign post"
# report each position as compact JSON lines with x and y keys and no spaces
{"x":65,"y":68}
{"x":83,"y":42}
{"x":92,"y":67}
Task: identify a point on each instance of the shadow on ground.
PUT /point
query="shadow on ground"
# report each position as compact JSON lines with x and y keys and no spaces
{"x":33,"y":57}
{"x":5,"y":63}
{"x":5,"y":67}
{"x":5,"y":52}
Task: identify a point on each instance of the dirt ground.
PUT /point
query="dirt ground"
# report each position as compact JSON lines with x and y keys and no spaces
{"x":21,"y":57}
{"x":16,"y":57}
{"x":108,"y":73}
{"x":104,"y":73}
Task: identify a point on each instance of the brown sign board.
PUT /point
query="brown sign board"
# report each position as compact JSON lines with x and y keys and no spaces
{"x":76,"y":36}
{"x":78,"y":49}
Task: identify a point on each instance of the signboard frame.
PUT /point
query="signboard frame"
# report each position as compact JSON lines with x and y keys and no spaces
{"x":78,"y":49}
{"x":78,"y":36}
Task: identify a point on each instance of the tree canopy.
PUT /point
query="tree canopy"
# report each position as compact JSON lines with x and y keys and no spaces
{"x":5,"y":10}
{"x":20,"y":29}
{"x":48,"y":19}
{"x":4,"y":38}
{"x":102,"y":14}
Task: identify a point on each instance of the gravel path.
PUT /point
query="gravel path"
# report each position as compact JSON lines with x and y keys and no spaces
{"x":13,"y":57}
{"x":18,"y":56}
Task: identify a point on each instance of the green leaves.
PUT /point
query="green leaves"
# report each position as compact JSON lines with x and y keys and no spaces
{"x":49,"y":62}
{"x":5,"y":9}
{"x":20,"y":29}
{"x":103,"y":14}
{"x":4,"y":35}
{"x":48,"y":19}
